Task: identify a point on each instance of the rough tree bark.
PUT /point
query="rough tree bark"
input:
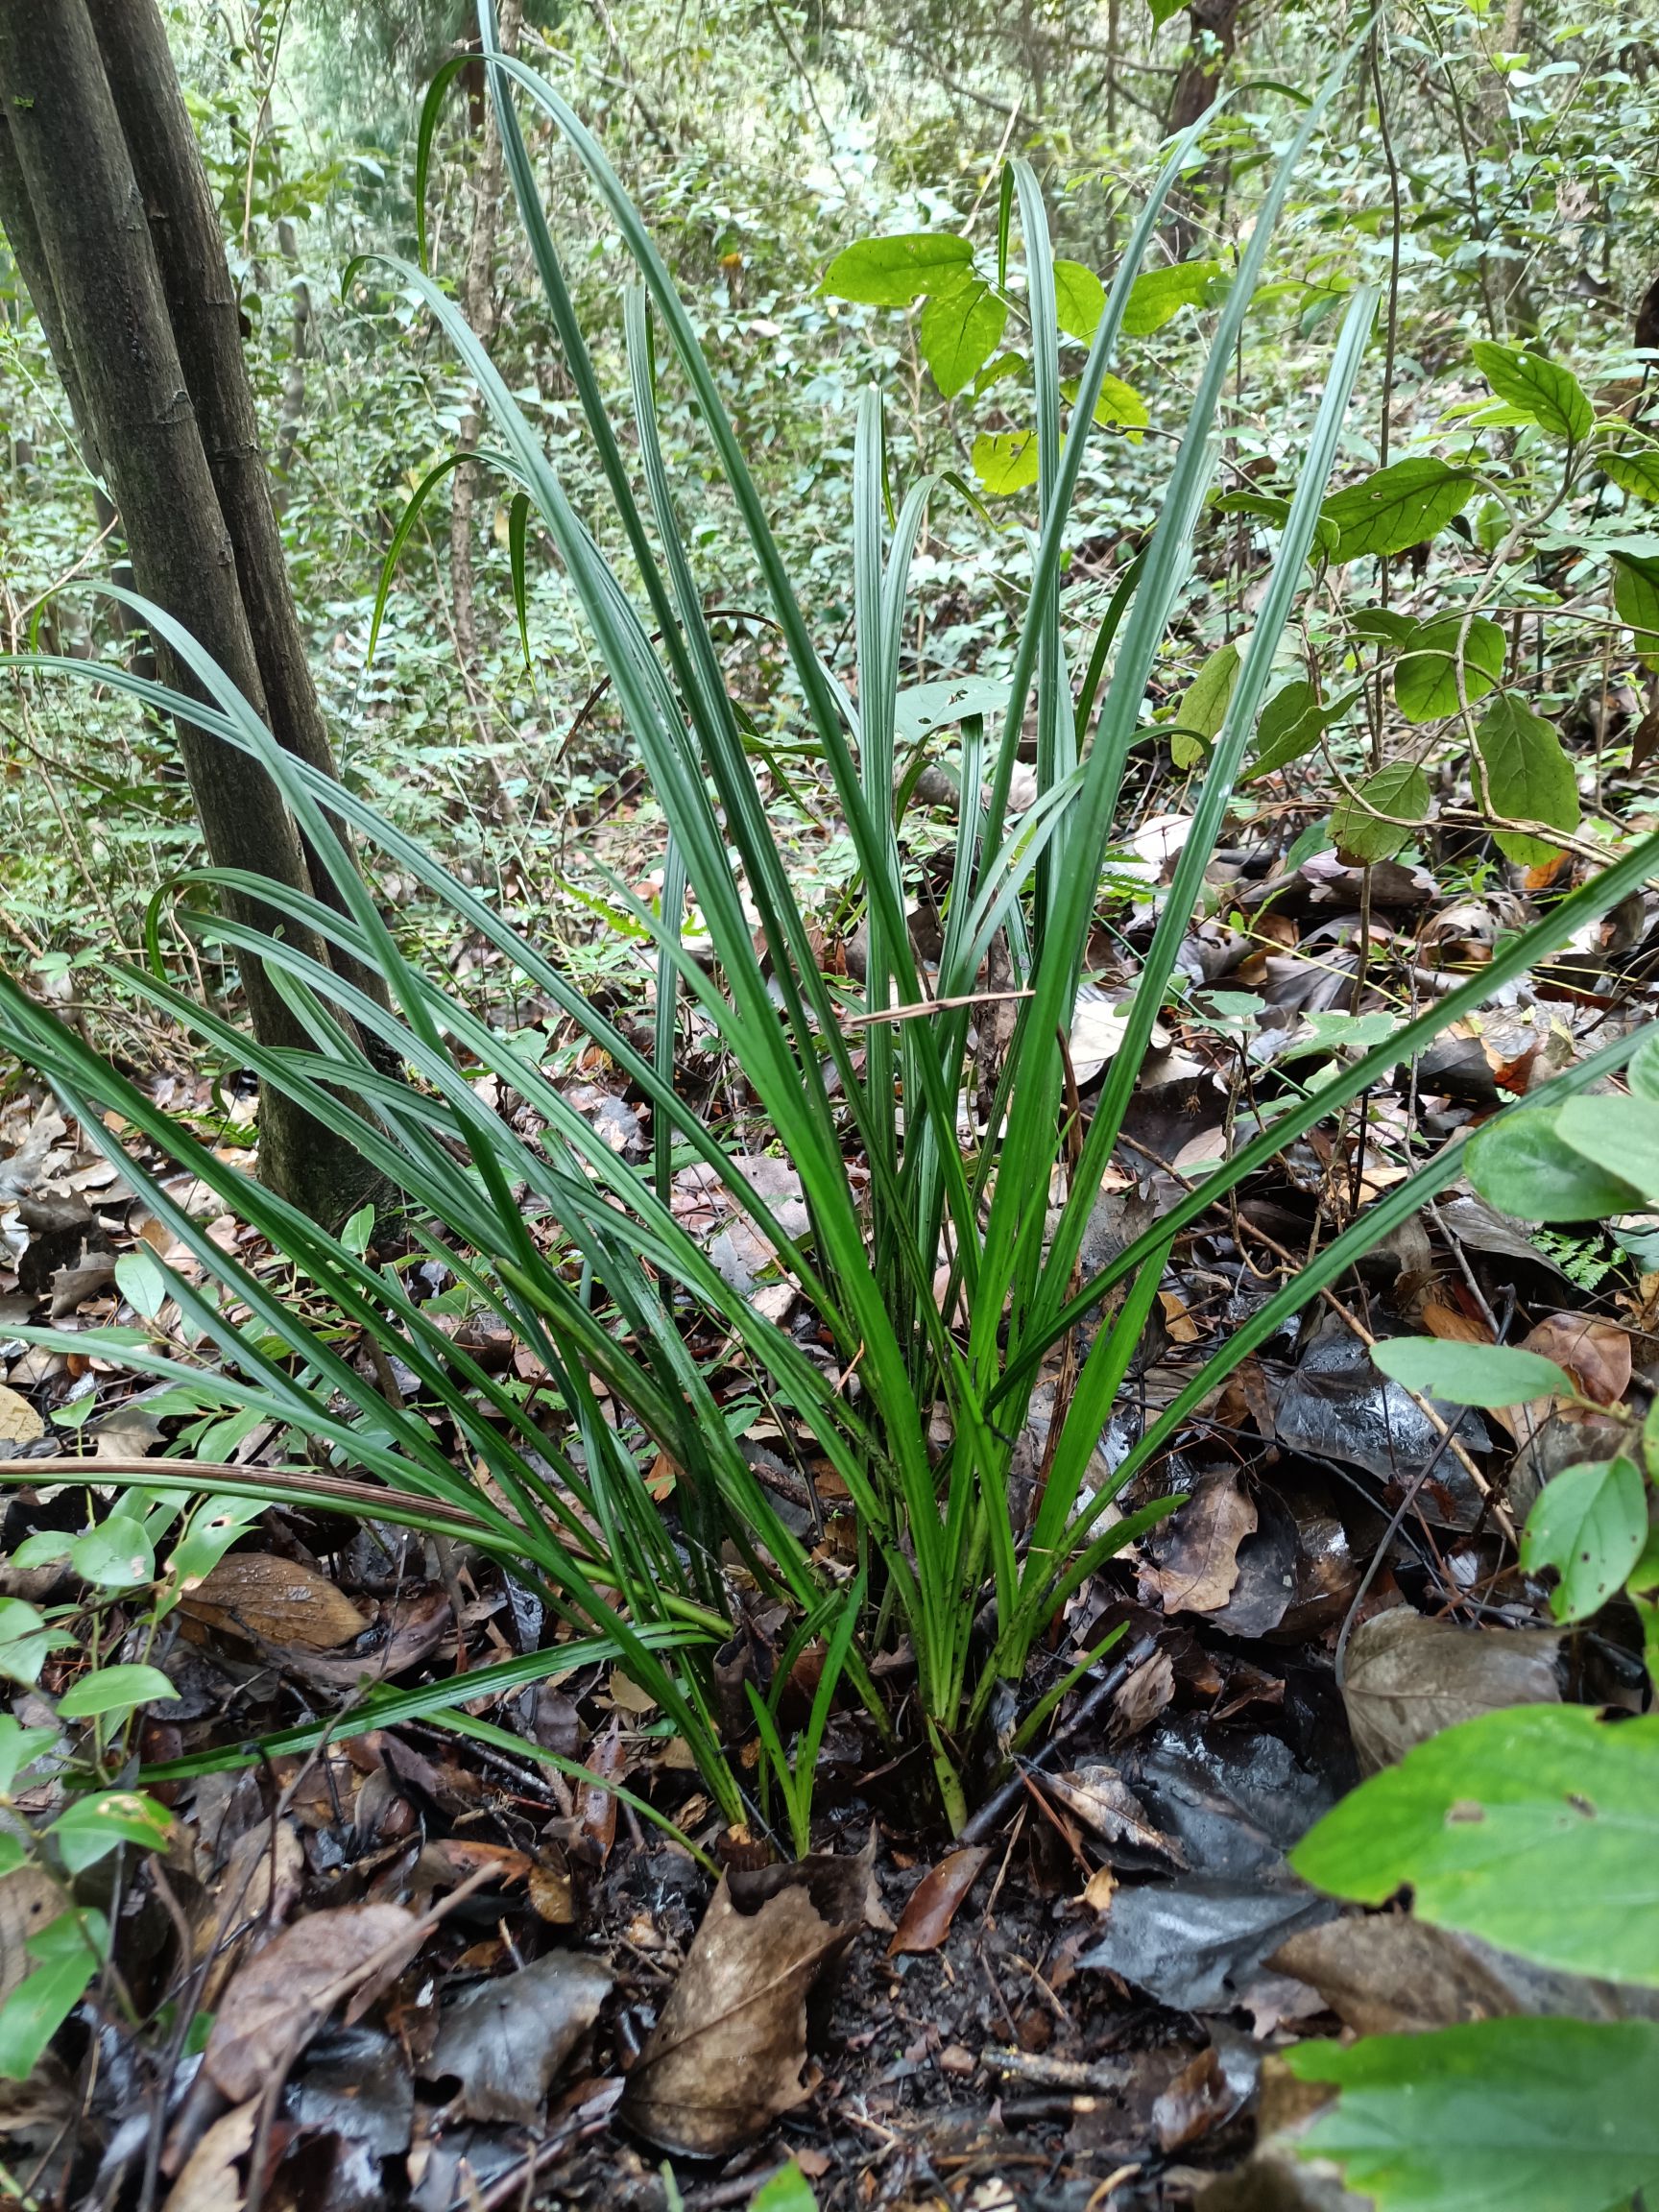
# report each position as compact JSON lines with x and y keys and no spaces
{"x":101,"y":272}
{"x":205,"y":316}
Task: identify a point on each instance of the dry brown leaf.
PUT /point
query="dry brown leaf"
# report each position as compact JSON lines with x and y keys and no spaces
{"x":281,"y":1997}
{"x":1595,"y":1354}
{"x":19,"y":1423}
{"x":726,"y":2054}
{"x":1453,"y":1327}
{"x":1384,"y":1975}
{"x":416,"y":1626}
{"x":266,"y":1599}
{"x":258,"y":1889}
{"x":933,"y":1905}
{"x":28,"y":1898}
{"x":1104,"y":1802}
{"x":1198,"y":1561}
{"x":209,"y":2182}
{"x":1408,"y":1678}
{"x":596,"y":1808}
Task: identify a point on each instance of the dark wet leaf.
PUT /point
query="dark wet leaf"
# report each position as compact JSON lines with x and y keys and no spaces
{"x":506,"y":2040}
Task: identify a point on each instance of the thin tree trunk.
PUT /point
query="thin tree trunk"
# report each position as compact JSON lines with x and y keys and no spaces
{"x":478,"y":306}
{"x":1194,"y":89}
{"x":113,"y":322}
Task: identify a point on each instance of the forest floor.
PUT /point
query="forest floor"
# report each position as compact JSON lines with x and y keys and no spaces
{"x":1081,"y":2005}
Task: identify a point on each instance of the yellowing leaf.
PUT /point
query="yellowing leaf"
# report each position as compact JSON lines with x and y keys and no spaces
{"x":19,"y":1423}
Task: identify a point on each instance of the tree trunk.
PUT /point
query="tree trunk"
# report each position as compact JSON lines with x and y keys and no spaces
{"x":478,"y":306}
{"x":1209,"y":20}
{"x":107,"y":297}
{"x":203,"y":308}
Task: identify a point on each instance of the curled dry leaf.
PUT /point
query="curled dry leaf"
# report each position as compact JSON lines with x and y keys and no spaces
{"x":414,"y":1628}
{"x":278,"y":2001}
{"x":1104,"y":1802}
{"x":1406,"y":1678}
{"x":596,"y":1808}
{"x":209,"y":2182}
{"x":933,"y":1905}
{"x":726,"y":2054}
{"x":266,"y":1600}
{"x":1196,"y":1563}
{"x":507,"y":2040}
{"x":1596,"y":1355}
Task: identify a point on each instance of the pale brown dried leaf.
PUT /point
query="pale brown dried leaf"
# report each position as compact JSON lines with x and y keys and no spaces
{"x":209,"y":2182}
{"x":265,"y":1600}
{"x":1406,"y":1678}
{"x":1196,"y":1563}
{"x":282,"y":1994}
{"x":726,"y":2054}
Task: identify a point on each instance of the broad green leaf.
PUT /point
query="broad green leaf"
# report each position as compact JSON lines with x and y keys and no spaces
{"x":892,"y":272}
{"x":1642,"y":1072}
{"x":1203,"y":707}
{"x":19,"y":1747}
{"x":1526,"y":2115}
{"x":142,"y":1281}
{"x":1426,"y":677}
{"x":1535,"y":1827}
{"x":1548,"y":393}
{"x":68,"y":1952}
{"x":1272,"y":510}
{"x":1384,"y":626}
{"x":24,"y":1641}
{"x":13,"y":1853}
{"x":1292,"y":723}
{"x":788,"y":2191}
{"x":1158,"y":295}
{"x":92,"y":1827}
{"x":1469,"y":1374}
{"x":998,"y":372}
{"x":1636,"y":472}
{"x":114,"y":1689}
{"x":1523,"y":1166}
{"x":1005,"y":461}
{"x":1636,"y":597}
{"x":1396,"y":506}
{"x":117,"y":1555}
{"x":1079,"y":300}
{"x":1357,"y":826}
{"x":1120,"y":406}
{"x":959,"y":331}
{"x":1528,"y":777}
{"x":1590,"y":1524}
{"x":1621,"y":1129}
{"x":1161,"y":10}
